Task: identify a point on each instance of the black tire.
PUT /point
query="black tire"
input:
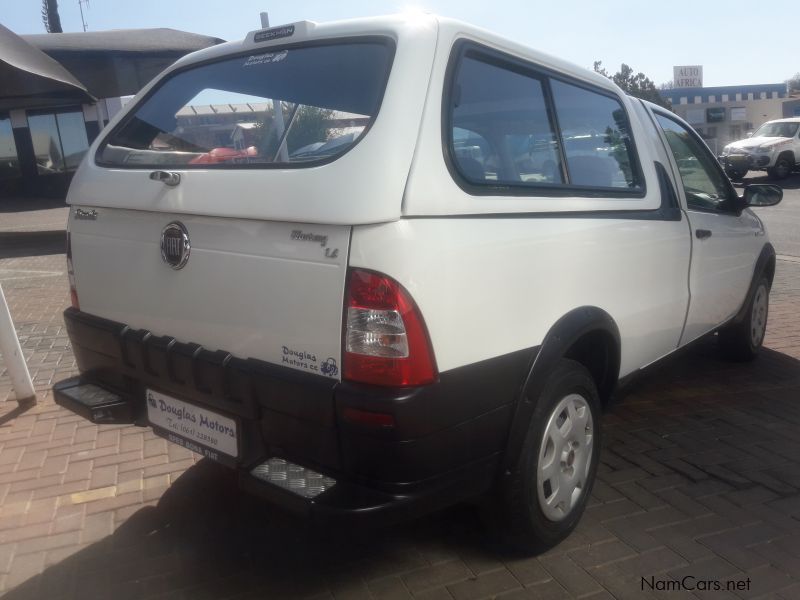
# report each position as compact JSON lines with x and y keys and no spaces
{"x":735,"y":175}
{"x":742,"y":341}
{"x":782,"y":169}
{"x":522,"y":524}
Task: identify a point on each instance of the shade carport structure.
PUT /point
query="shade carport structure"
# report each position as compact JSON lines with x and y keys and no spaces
{"x":31,"y":78}
{"x":118,"y":62}
{"x":54,"y":86}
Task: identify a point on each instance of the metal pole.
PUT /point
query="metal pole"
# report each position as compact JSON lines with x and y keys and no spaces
{"x":280,"y":127}
{"x":264,"y":20}
{"x":12,"y":355}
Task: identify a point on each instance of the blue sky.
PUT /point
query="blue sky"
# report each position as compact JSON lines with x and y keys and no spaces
{"x":650,"y":36}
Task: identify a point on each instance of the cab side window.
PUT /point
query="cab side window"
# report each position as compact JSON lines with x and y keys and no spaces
{"x":704,"y":184}
{"x":501,"y":130}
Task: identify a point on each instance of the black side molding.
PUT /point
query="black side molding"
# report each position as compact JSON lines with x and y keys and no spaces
{"x":562,"y":336}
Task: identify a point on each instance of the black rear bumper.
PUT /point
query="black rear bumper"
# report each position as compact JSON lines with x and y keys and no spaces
{"x":445,"y":446}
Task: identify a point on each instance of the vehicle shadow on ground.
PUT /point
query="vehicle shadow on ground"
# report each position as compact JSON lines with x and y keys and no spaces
{"x":210,"y":540}
{"x":15,"y":244}
{"x":205,"y":539}
{"x":700,"y":370}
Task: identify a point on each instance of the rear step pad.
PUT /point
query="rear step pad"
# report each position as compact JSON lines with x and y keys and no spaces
{"x":93,"y":402}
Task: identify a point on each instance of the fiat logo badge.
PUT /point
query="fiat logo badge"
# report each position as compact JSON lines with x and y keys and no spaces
{"x":175,"y":245}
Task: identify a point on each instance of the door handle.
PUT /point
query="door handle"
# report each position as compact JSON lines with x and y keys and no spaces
{"x":702,"y":233}
{"x":166,"y":177}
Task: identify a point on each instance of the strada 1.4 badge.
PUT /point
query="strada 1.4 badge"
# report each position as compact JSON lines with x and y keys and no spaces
{"x":322,"y":240}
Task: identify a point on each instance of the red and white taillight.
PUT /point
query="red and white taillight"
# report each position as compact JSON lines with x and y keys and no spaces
{"x":73,"y":291}
{"x":385,"y":338}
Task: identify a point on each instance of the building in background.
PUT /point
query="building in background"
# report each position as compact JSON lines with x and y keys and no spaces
{"x":726,"y":114}
{"x":60,"y":89}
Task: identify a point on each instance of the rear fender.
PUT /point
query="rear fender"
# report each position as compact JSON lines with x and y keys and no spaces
{"x":562,"y":336}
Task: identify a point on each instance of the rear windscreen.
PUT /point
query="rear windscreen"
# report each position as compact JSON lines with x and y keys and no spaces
{"x":293,"y":105}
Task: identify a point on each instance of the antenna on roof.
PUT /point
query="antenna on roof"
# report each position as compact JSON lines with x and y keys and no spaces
{"x":80,"y":5}
{"x":264,"y":20}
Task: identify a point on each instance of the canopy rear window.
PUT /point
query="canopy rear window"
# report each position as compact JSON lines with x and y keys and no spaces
{"x":296,"y":105}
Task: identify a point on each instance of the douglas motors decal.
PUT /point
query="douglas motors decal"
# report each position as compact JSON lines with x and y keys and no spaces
{"x":300,"y":359}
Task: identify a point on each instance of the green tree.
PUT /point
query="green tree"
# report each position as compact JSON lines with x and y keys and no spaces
{"x":311,"y":124}
{"x":637,"y":85}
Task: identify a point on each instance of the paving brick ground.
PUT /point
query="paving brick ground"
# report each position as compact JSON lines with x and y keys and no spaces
{"x":699,"y":481}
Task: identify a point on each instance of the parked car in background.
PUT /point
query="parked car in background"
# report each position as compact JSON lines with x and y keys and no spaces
{"x":774,"y":147}
{"x":434,"y":308}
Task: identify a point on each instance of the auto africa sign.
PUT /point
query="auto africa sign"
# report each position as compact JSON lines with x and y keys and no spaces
{"x":687,"y":76}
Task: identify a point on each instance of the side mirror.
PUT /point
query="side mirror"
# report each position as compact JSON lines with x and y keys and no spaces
{"x":762,"y":194}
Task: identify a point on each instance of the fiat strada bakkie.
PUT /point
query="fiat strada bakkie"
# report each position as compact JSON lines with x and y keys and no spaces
{"x":386,"y":265}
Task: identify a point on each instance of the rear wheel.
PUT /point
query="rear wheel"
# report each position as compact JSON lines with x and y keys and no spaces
{"x":742,"y":341}
{"x":548,"y":490}
{"x":782,"y":169}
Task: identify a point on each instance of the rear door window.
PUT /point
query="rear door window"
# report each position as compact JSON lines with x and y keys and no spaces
{"x":297,"y":105}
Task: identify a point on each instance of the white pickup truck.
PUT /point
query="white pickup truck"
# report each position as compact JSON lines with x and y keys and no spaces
{"x":420,"y":279}
{"x":774,"y":148}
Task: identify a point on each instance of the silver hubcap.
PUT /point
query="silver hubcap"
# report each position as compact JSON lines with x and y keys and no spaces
{"x":758,"y":320}
{"x":565,"y":457}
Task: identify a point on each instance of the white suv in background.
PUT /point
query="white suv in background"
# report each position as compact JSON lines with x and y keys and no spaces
{"x":774,"y":147}
{"x":417,"y":281}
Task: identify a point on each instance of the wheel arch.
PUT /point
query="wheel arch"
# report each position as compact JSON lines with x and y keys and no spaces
{"x":588,"y":335}
{"x":765,"y":266}
{"x":787,"y":154}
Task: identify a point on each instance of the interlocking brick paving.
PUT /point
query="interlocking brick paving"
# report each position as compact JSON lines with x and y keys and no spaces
{"x":699,"y":481}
